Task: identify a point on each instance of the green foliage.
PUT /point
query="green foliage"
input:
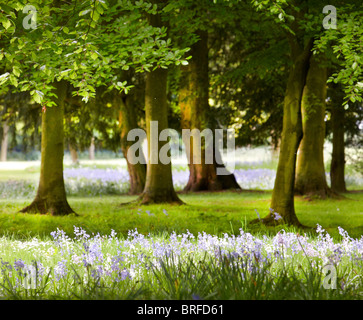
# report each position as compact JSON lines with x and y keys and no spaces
{"x":346,"y":44}
{"x":84,"y":43}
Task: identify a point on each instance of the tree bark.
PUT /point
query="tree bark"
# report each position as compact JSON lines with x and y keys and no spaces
{"x":310,"y":172}
{"x":91,"y":149}
{"x":195,"y":110}
{"x":51,"y":196}
{"x":337,"y":166}
{"x":127,"y":122}
{"x":159,"y":183}
{"x":4,"y":141}
{"x":159,"y":186}
{"x":282,"y":201}
{"x":74,"y":155}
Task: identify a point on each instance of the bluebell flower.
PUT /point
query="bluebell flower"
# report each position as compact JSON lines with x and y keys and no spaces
{"x":277,"y":216}
{"x":61,"y":270}
{"x":19,"y":264}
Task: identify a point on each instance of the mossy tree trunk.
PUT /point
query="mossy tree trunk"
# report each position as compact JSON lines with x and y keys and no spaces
{"x":282,"y":201}
{"x":310,"y":171}
{"x":51,"y":196}
{"x":159,"y":183}
{"x":195,"y":110}
{"x":127,"y":121}
{"x":337,"y":166}
{"x":159,"y":186}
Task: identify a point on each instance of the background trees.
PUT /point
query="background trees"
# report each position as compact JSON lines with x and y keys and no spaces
{"x":78,"y":51}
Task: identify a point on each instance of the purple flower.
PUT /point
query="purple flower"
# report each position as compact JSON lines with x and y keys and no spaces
{"x":19,"y":264}
{"x":61,"y":270}
{"x":125,"y":274}
{"x":80,"y":233}
{"x":149,"y":213}
{"x":277,"y":216}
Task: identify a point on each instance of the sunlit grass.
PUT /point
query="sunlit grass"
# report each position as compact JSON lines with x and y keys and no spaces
{"x":215,"y":213}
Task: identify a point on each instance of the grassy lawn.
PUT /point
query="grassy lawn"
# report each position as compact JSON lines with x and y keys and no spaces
{"x":214,"y":213}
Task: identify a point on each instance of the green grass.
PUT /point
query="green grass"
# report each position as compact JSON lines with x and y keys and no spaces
{"x":214,"y":213}
{"x":27,"y":174}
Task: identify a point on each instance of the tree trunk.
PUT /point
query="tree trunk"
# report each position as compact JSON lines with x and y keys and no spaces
{"x":4,"y":141}
{"x":275,"y":150}
{"x":159,"y":183}
{"x":337,"y":176}
{"x":91,"y":149}
{"x":310,"y":172}
{"x":282,"y":201}
{"x":195,"y":110}
{"x":127,"y":122}
{"x":159,"y":186}
{"x":74,"y":155}
{"x":51,"y":195}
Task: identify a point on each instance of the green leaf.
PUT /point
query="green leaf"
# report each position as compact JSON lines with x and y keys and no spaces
{"x":4,"y":78}
{"x":99,"y":9}
{"x":84,"y":12}
{"x":13,"y":80}
{"x":38,"y":96}
{"x":16,"y":71}
{"x":95,"y":15}
{"x":6,"y":24}
{"x":94,"y":55}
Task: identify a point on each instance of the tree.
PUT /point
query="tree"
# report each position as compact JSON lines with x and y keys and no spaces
{"x":195,"y":114}
{"x":190,"y":25}
{"x":302,"y":22}
{"x":310,"y":178}
{"x":159,"y":183}
{"x":51,"y":194}
{"x":337,"y":172}
{"x":310,"y":171}
{"x":282,"y":200}
{"x":301,"y":44}
{"x":4,"y":141}
{"x":343,"y":130}
{"x":345,"y":43}
{"x":128,"y":122}
{"x":79,"y":50}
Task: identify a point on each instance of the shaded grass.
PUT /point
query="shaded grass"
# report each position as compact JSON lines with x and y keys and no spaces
{"x":214,"y":213}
